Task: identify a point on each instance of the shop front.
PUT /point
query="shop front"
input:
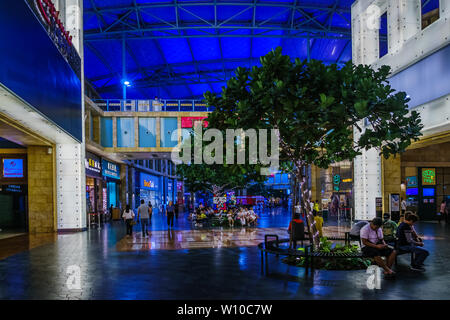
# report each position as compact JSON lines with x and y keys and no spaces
{"x":111,"y":175}
{"x":94,"y":186}
{"x":149,"y":190}
{"x":13,"y":193}
{"x":336,"y":189}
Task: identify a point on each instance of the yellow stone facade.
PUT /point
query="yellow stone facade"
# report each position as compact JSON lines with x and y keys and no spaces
{"x":41,"y":190}
{"x":391,"y":179}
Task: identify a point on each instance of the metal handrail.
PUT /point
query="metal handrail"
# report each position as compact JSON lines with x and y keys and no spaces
{"x":152,"y":105}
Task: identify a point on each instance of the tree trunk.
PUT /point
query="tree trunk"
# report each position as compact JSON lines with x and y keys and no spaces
{"x":302,"y":176}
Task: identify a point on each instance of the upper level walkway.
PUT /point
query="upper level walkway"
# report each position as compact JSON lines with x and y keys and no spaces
{"x":154,"y":105}
{"x":137,"y":128}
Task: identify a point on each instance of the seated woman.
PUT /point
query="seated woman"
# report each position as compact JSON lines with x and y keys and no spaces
{"x":241,"y":216}
{"x":252,"y":217}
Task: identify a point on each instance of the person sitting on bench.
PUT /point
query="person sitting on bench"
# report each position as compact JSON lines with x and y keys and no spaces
{"x":389,"y":229}
{"x":295,"y":220}
{"x":373,"y":246}
{"x":355,"y":230}
{"x":408,"y":241}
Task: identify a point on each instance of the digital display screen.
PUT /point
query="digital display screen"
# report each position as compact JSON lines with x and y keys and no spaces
{"x":412,"y":191}
{"x":428,"y":192}
{"x":13,"y":168}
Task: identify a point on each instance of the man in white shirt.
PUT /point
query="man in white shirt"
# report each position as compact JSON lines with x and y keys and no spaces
{"x":373,"y":246}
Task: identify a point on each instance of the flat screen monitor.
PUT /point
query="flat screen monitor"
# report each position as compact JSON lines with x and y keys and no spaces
{"x":412,"y":191}
{"x":13,"y":168}
{"x":428,"y":192}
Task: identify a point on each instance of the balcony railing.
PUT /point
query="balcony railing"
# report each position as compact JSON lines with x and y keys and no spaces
{"x":131,"y":105}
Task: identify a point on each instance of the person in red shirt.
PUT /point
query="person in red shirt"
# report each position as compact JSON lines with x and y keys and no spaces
{"x":296,"y":219}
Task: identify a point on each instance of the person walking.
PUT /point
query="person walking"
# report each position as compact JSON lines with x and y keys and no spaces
{"x":150,"y":212}
{"x":128,"y":216}
{"x":403,"y":205}
{"x":170,"y":213}
{"x":143,"y":214}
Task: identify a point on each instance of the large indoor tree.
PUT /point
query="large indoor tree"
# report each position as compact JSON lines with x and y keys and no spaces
{"x":215,"y":178}
{"x":315,"y":107}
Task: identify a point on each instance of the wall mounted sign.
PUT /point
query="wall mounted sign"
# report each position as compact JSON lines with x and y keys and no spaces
{"x":93,"y":165}
{"x":428,"y":176}
{"x":13,"y":168}
{"x":189,"y":122}
{"x":149,"y":182}
{"x":110,"y":169}
{"x":411,"y":181}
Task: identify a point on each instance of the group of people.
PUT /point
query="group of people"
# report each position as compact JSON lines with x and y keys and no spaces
{"x":246,"y":216}
{"x":386,"y":239}
{"x":144,"y":215}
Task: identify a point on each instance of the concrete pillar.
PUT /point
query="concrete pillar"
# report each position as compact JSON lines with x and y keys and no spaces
{"x":70,"y":187}
{"x":124,"y":200}
{"x":315,"y":184}
{"x":41,"y":191}
{"x":131,"y":187}
{"x":96,"y":123}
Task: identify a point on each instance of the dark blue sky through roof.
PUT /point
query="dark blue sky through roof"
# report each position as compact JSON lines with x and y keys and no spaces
{"x":179,"y":49}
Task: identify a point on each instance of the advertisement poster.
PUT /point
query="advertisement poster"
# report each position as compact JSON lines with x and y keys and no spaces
{"x":395,"y":202}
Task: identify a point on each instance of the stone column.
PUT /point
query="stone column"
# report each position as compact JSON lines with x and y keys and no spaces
{"x":124,"y":200}
{"x":41,"y":191}
{"x":391,"y":182}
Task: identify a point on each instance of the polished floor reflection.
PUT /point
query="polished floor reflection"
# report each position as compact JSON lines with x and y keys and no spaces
{"x":233,"y":272}
{"x":209,"y":238}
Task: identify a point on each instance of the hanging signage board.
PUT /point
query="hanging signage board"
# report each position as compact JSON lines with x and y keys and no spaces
{"x":110,"y":170}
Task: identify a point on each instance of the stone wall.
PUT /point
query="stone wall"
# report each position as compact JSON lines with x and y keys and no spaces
{"x":41,"y":182}
{"x":391,"y":179}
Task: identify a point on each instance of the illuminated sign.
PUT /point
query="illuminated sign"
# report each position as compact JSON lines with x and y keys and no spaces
{"x":347,"y":180}
{"x":190,"y":122}
{"x":110,"y":169}
{"x":428,"y":176}
{"x":411,"y":181}
{"x":13,"y":168}
{"x":149,"y":181}
{"x":337,"y":179}
{"x":93,"y":165}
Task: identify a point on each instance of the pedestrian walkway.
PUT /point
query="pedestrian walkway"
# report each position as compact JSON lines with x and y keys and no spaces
{"x":232,"y":272}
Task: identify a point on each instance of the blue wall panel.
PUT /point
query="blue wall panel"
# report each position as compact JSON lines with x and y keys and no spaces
{"x":125,"y":132}
{"x":147,"y":132}
{"x":168,"y":126}
{"x":427,"y":80}
{"x":32,"y":67}
{"x":106,"y":132}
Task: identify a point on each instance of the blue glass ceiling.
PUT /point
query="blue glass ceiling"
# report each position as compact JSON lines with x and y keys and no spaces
{"x":179,"y":49}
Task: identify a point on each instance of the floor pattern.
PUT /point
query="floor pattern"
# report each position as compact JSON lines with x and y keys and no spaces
{"x":208,"y":238}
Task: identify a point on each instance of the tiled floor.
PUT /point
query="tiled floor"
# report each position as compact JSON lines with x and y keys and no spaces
{"x":227,"y":272}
